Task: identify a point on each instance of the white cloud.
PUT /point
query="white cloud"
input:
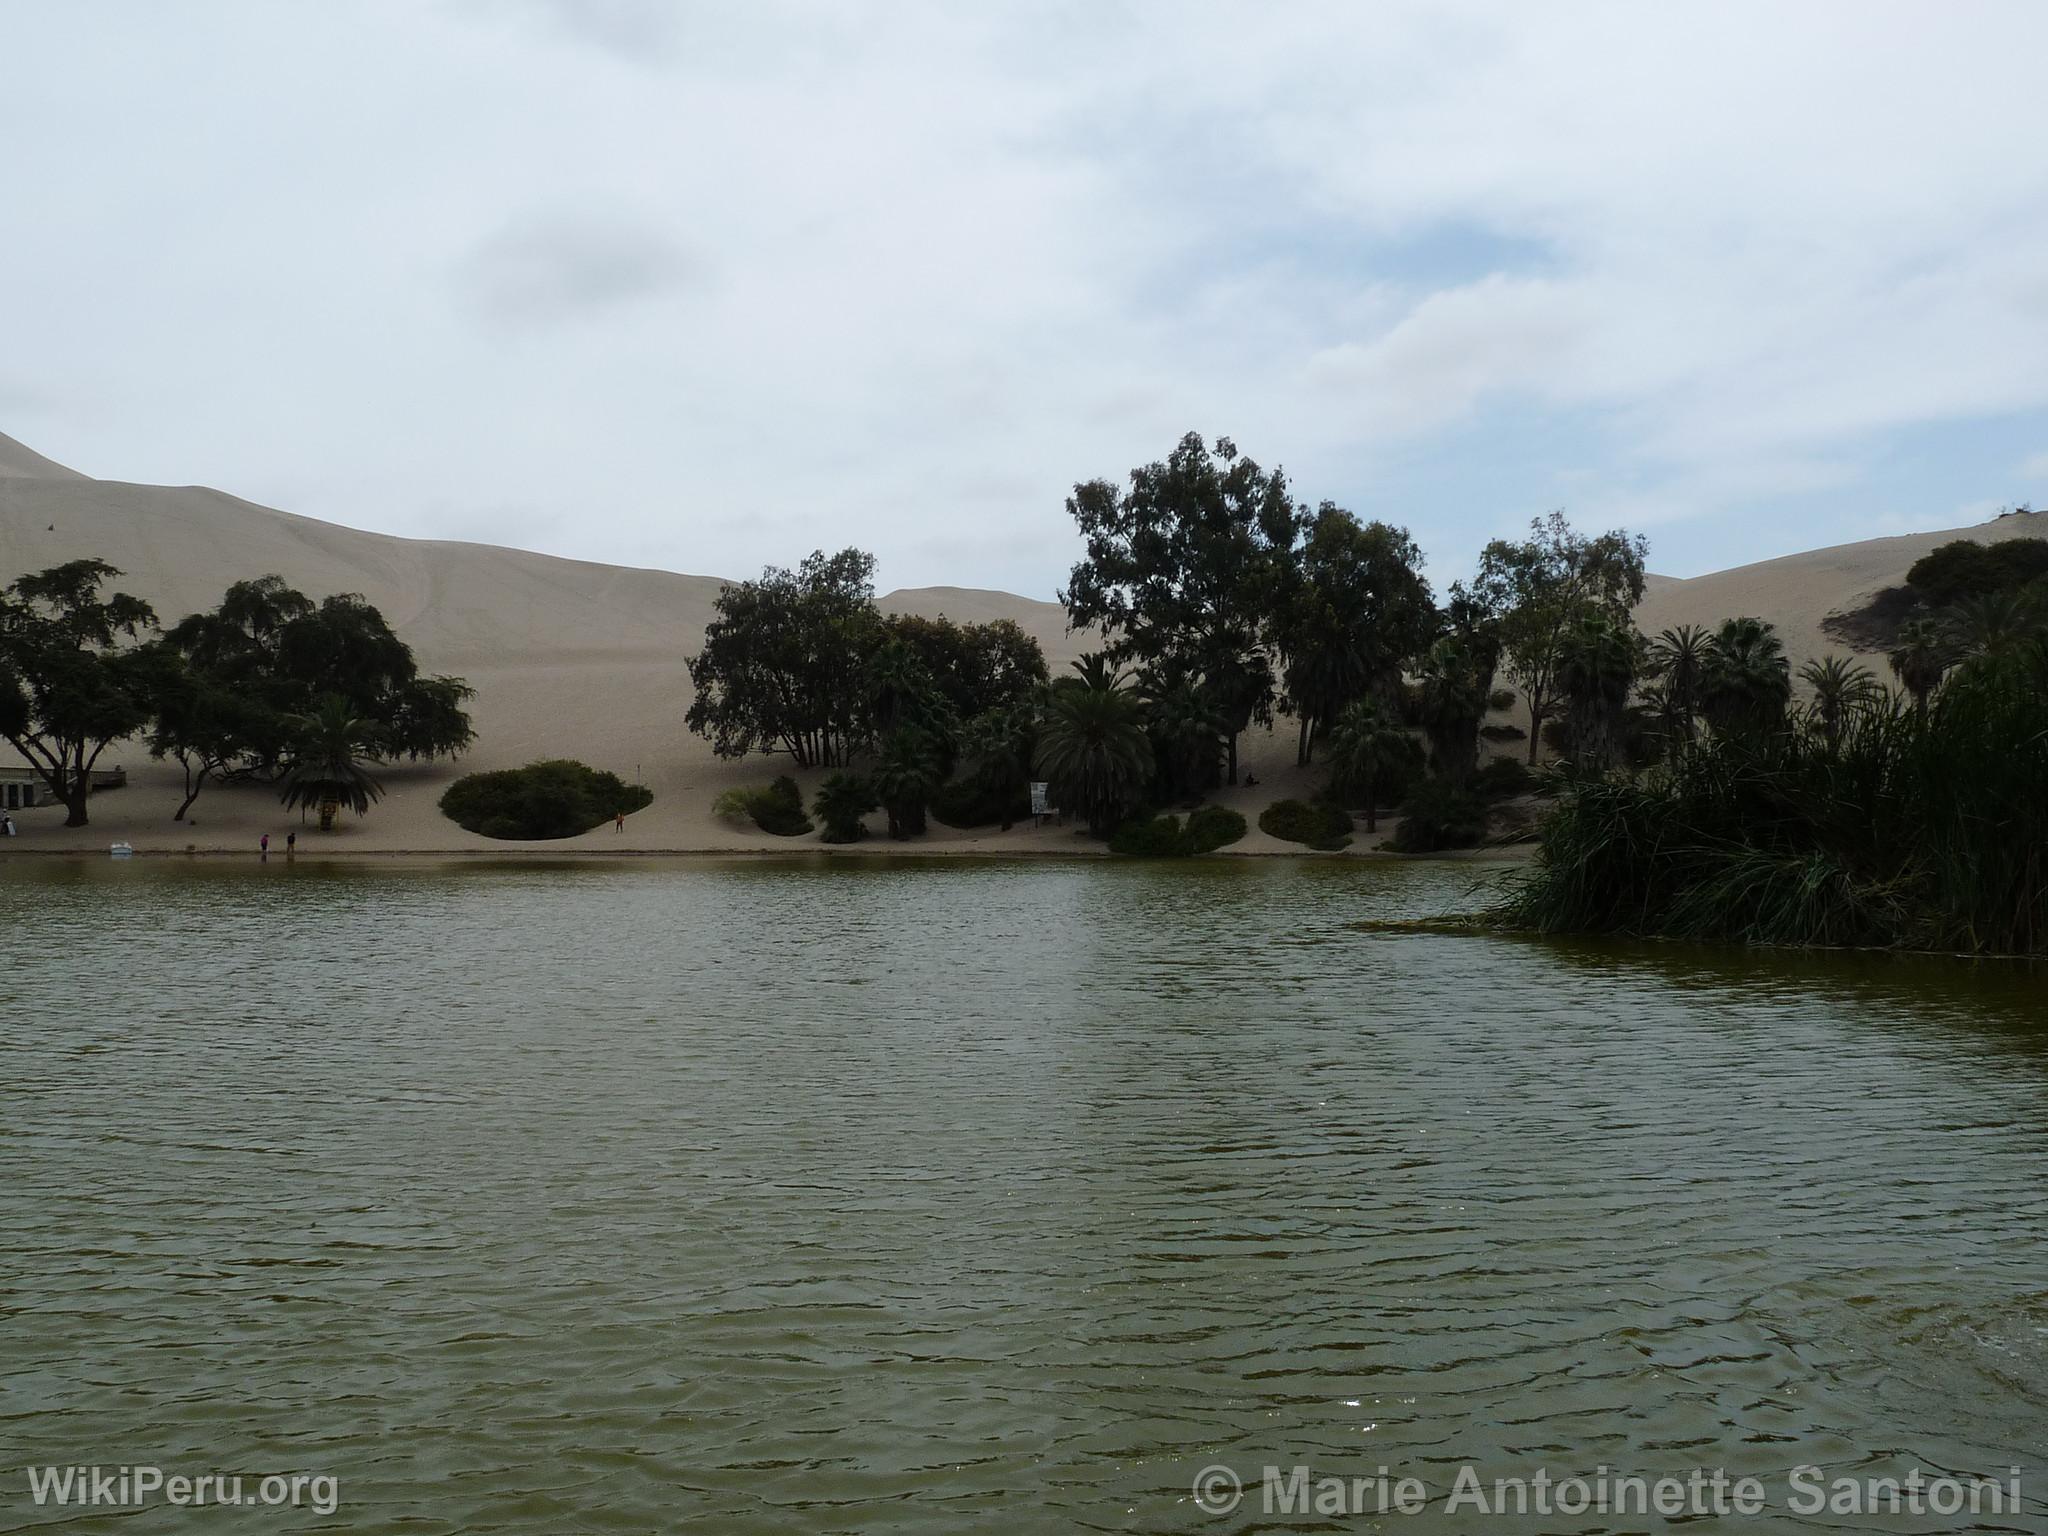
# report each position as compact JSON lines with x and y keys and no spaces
{"x":763,"y":276}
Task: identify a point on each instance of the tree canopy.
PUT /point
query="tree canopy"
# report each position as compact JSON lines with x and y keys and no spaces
{"x":1543,"y":587}
{"x":72,"y":678}
{"x":1181,"y":567}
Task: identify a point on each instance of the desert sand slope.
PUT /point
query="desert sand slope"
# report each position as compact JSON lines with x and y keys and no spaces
{"x":19,"y":461}
{"x":1796,"y":592}
{"x":571,"y":658}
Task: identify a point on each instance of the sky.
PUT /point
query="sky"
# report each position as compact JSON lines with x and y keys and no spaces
{"x":708,"y":286}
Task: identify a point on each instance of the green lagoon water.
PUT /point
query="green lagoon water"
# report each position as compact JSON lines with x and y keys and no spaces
{"x":893,"y":1197}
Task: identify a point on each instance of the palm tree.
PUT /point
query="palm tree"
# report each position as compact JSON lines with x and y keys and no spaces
{"x":1839,"y":687}
{"x":1678,"y":658}
{"x":1597,"y":662}
{"x":326,"y":766}
{"x":1993,"y":623}
{"x":907,"y":775}
{"x":1094,"y":752}
{"x":1920,"y":659}
{"x":1746,"y":682}
{"x":842,"y":800}
{"x":1190,"y":731}
{"x":1365,"y":744}
{"x":1454,"y":701}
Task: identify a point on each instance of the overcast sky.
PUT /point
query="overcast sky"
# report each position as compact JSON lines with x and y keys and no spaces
{"x":706,"y":286}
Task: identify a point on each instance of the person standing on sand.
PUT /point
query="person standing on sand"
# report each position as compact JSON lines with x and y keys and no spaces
{"x":619,"y":823}
{"x":7,"y":825}
{"x":263,"y":845}
{"x":291,"y":844}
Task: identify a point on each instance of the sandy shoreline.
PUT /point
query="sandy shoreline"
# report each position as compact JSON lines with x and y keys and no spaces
{"x":1508,"y":853}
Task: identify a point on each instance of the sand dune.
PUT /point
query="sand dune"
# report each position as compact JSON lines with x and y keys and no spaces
{"x":574,"y":658}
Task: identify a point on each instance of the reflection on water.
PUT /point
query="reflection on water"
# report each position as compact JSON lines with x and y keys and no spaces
{"x":884,"y":1197}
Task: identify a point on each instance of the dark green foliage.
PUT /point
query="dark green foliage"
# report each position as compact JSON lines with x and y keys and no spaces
{"x":1156,"y":837}
{"x":1181,"y":568}
{"x":1167,"y":837}
{"x":1914,"y":829}
{"x":70,"y":684}
{"x":544,"y":800}
{"x":1439,"y":814}
{"x":974,"y":667}
{"x":1319,"y":825}
{"x":1351,"y":608}
{"x":1503,"y":778}
{"x":1092,"y":748}
{"x":777,"y":808}
{"x":970,"y":802}
{"x":1503,"y":733}
{"x":280,"y":654}
{"x":1963,"y":568}
{"x":328,"y":761}
{"x":1211,"y":827}
{"x":908,"y":773}
{"x":841,"y":803}
{"x":782,"y":665}
{"x":1543,"y":587}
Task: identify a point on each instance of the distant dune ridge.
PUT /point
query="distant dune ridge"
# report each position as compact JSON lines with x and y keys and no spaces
{"x":572,"y":658}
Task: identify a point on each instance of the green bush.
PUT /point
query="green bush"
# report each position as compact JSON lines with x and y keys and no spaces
{"x":1321,"y":825}
{"x":1437,"y":815}
{"x":1212,"y":827}
{"x":778,"y":808}
{"x":544,"y":800}
{"x":1503,"y":778}
{"x":1963,"y":568}
{"x":1155,"y":837}
{"x":970,"y":803}
{"x":1166,"y":837}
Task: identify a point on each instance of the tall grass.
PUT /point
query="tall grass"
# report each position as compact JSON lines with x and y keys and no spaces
{"x":1912,"y":831}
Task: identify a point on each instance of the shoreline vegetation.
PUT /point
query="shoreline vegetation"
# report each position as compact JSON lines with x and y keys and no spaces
{"x":1688,"y":785}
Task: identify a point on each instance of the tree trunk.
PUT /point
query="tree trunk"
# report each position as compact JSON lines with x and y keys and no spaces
{"x":1535,"y":727}
{"x":1301,"y":744}
{"x":75,"y":803}
{"x":1372,"y":802}
{"x":1233,"y":759}
{"x":192,"y":789}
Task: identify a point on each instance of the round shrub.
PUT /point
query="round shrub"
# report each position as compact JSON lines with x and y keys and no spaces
{"x":1212,"y":827}
{"x":1440,"y":814}
{"x":1154,"y":837}
{"x":1322,"y":826}
{"x":779,"y":808}
{"x":545,"y":800}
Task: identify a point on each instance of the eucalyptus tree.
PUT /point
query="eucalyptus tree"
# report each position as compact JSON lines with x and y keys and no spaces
{"x":1542,"y":586}
{"x":781,"y":668}
{"x":1180,"y":569}
{"x":1351,"y":608}
{"x":73,"y":680}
